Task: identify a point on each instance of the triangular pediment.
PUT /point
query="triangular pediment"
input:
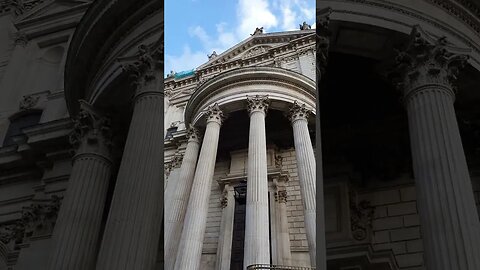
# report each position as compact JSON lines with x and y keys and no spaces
{"x":47,"y":8}
{"x":257,"y":45}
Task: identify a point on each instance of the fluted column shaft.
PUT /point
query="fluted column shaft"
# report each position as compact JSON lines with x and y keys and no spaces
{"x":77,"y":230}
{"x":179,"y":199}
{"x":191,"y":242}
{"x":445,"y":198}
{"x":448,"y":215}
{"x":306,"y":173}
{"x":133,"y":226}
{"x":257,"y":242}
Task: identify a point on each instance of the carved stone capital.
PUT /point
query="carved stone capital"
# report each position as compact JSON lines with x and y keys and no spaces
{"x":257,"y":104}
{"x":146,"y":68}
{"x":193,"y":134}
{"x":298,"y":112}
{"x":428,"y":61}
{"x":215,"y":114}
{"x":92,"y":132}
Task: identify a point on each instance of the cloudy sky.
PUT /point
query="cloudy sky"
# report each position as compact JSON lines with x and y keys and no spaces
{"x":195,"y":28}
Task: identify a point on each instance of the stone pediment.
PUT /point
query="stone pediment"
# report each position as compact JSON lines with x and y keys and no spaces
{"x":34,"y":9}
{"x":257,"y":45}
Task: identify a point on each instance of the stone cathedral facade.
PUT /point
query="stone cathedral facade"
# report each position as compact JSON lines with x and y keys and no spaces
{"x":239,"y":156}
{"x":351,"y":146}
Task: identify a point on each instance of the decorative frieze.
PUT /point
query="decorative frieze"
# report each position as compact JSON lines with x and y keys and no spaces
{"x":38,"y":219}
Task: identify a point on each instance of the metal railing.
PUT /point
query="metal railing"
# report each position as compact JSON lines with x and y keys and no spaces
{"x":276,"y":267}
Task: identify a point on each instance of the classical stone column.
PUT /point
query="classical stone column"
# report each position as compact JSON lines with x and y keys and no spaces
{"x":191,"y":242}
{"x":449,"y":219}
{"x":132,"y":231}
{"x":257,"y":246}
{"x":306,"y":166}
{"x":179,"y":200}
{"x":77,"y":230}
{"x":224,"y":251}
{"x":323,"y":34}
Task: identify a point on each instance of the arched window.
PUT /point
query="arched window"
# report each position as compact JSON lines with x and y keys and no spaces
{"x":20,"y":121}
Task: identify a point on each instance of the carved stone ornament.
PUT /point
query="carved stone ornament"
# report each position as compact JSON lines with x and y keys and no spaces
{"x":281,"y":196}
{"x":148,"y":63}
{"x":91,"y":129}
{"x":28,"y":102}
{"x":224,"y":199}
{"x":305,"y":26}
{"x":193,"y":134}
{"x":278,"y":161}
{"x":428,"y":61}
{"x":213,"y":55}
{"x":361,"y":219}
{"x":258,"y":31}
{"x":255,"y":51}
{"x":258,"y":103}
{"x":298,"y":112}
{"x":323,"y":34}
{"x":38,"y":219}
{"x":214,"y":113}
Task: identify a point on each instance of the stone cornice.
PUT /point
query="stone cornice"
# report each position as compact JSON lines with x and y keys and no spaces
{"x":293,"y":46}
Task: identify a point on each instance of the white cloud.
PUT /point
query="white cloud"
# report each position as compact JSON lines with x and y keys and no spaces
{"x":187,"y":60}
{"x":252,"y":14}
{"x":274,"y":15}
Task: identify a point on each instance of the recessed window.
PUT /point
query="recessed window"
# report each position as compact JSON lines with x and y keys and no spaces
{"x":19,"y":122}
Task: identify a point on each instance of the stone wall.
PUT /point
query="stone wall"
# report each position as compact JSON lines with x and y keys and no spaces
{"x":396,"y":224}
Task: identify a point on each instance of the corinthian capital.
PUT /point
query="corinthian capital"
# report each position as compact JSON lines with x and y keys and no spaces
{"x":193,"y":134}
{"x":214,"y":113}
{"x":257,"y":104}
{"x":428,"y":61}
{"x":298,"y":112}
{"x":91,"y":132}
{"x":146,"y":67}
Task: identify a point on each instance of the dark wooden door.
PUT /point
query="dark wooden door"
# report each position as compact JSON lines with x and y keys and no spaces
{"x":238,"y":241}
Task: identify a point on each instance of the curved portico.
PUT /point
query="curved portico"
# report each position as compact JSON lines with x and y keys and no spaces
{"x":258,"y":90}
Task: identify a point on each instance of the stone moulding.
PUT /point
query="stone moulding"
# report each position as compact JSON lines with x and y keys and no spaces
{"x":230,"y":90}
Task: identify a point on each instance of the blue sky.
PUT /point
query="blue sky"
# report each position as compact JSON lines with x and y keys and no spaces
{"x":195,"y":28}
